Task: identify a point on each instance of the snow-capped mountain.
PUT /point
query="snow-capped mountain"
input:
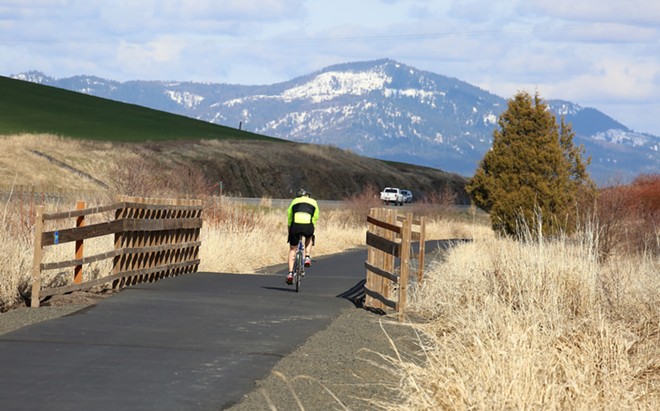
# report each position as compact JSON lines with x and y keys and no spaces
{"x":382,"y":109}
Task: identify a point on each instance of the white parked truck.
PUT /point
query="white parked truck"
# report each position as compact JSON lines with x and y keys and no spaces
{"x":391,"y":195}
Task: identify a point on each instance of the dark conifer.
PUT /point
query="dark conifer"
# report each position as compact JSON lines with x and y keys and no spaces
{"x":533,"y":173}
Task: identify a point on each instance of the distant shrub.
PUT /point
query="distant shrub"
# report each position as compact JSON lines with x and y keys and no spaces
{"x":360,"y":204}
{"x":629,"y":217}
{"x":141,"y":176}
{"x":220,"y":214}
{"x":436,"y":204}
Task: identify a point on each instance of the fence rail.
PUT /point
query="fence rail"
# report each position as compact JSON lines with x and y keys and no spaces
{"x":389,"y":237}
{"x":153,"y":239}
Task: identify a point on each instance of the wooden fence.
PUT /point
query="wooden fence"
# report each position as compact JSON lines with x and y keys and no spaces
{"x":153,"y":239}
{"x":390,"y":236}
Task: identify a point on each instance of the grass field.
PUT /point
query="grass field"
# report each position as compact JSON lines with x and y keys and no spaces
{"x":33,"y":108}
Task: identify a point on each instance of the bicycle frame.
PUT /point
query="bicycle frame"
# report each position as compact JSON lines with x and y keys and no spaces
{"x":299,"y":262}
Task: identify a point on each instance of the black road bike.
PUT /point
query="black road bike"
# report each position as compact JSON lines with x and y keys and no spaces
{"x":299,"y":261}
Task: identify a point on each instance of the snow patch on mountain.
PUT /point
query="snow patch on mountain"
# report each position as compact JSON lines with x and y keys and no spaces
{"x":423,"y":96}
{"x":565,"y":108}
{"x":185,"y":99}
{"x":33,"y":76}
{"x":626,"y":137}
{"x":490,"y":119}
{"x":300,"y":123}
{"x":330,"y":85}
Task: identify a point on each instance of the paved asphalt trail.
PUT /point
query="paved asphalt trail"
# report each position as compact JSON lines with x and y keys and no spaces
{"x":194,"y":342}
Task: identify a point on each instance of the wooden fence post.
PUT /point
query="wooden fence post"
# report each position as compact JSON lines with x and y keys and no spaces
{"x":38,"y":254}
{"x":386,"y":290}
{"x":405,"y":264}
{"x":118,"y":261}
{"x":380,"y":261}
{"x":371,"y":259}
{"x":80,"y":222}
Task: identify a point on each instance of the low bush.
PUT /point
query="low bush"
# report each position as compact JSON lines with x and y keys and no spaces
{"x":628,"y":217}
{"x":358,"y":205}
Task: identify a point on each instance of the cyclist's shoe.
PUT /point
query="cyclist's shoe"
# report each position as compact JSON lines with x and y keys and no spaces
{"x":308,"y":261}
{"x":289,"y":279}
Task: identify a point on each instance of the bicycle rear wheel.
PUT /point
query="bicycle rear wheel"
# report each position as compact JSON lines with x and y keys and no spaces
{"x":298,"y":269}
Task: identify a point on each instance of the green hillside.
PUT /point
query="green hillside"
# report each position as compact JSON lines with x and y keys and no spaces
{"x":27,"y":107}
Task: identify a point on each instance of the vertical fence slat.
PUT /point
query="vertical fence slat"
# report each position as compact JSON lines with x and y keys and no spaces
{"x":377,"y":281}
{"x":371,"y":260}
{"x":389,"y":259}
{"x":38,"y":254}
{"x":118,"y":260}
{"x":405,"y":264}
{"x":80,"y":222}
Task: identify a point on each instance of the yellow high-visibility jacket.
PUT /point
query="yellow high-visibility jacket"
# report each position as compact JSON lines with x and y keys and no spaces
{"x":303,"y":210}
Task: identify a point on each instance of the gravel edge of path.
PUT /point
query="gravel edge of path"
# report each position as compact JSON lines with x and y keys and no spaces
{"x":21,"y":317}
{"x":55,"y":307}
{"x":348,"y":365}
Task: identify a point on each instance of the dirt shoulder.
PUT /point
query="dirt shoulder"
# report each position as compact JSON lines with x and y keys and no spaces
{"x":55,"y":307}
{"x":346,"y":366}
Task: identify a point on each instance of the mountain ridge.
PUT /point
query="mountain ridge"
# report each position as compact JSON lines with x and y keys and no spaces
{"x":382,"y":109}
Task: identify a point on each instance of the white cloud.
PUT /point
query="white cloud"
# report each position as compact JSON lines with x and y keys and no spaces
{"x":613,"y":80}
{"x":598,"y":52}
{"x":162,"y":50}
{"x":629,"y":11}
{"x":479,"y":11}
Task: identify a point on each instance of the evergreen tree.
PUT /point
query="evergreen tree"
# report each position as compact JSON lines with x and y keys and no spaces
{"x":578,"y":176}
{"x":533,"y":172}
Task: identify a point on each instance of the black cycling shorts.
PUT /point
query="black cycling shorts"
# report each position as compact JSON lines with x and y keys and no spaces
{"x":296,"y":229}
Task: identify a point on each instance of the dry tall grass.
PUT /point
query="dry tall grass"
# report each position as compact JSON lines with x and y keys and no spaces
{"x":244,"y":239}
{"x":535,"y":325}
{"x":17,"y":220}
{"x":235,"y":239}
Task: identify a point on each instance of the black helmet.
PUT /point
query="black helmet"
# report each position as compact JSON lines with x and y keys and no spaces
{"x":302,"y":192}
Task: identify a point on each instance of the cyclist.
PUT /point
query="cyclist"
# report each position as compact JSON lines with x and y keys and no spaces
{"x":302,"y":215}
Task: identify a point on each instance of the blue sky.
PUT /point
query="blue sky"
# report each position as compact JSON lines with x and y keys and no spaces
{"x":598,"y":53}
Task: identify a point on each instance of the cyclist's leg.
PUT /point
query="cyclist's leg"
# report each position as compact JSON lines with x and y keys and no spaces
{"x":292,"y":256}
{"x":308,"y":250}
{"x":293,"y":245}
{"x":309,"y":234}
{"x":292,"y":239}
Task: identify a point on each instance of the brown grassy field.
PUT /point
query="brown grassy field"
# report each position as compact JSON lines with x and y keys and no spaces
{"x":244,"y":168}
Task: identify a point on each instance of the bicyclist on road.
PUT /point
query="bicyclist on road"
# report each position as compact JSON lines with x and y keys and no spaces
{"x":302,"y":215}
